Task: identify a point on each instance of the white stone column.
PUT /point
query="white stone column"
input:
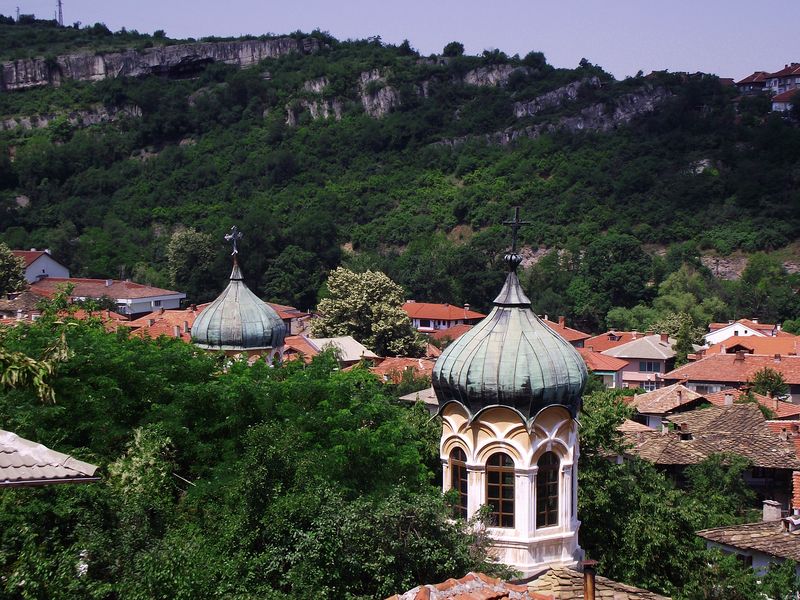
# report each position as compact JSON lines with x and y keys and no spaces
{"x":565,"y":498}
{"x":476,"y":488}
{"x":534,"y":499}
{"x":524,"y":502}
{"x":446,"y":478}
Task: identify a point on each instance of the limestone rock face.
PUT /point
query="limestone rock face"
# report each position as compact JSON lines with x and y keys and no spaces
{"x":555,"y":98}
{"x":377,"y":97}
{"x":493,"y":76}
{"x":165,"y":60}
{"x":316,"y":86}
{"x":78,"y":118}
{"x":318,"y":109}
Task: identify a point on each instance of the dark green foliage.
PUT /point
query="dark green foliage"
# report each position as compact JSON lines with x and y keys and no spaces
{"x":768,"y":381}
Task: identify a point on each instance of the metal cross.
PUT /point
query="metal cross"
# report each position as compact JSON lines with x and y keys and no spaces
{"x":234,"y":236}
{"x":515,"y":225}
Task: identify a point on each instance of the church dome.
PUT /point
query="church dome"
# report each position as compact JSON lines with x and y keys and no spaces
{"x":511,"y":358}
{"x":238,"y":320}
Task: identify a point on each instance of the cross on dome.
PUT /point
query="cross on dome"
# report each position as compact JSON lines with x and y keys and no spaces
{"x":234,"y":236}
{"x":515,"y":226}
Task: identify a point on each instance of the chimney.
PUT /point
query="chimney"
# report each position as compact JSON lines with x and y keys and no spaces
{"x":109,"y":282}
{"x":650,"y":332}
{"x":728,"y":399}
{"x":739,"y":355}
{"x":679,"y":394}
{"x":784,"y":435}
{"x":151,"y":322}
{"x":771,"y":511}
{"x":177,"y":331}
{"x":795,"y":491}
{"x":722,"y":348}
{"x":685,"y":434}
{"x":777,"y":358}
{"x":161,"y":310}
{"x":186,"y":327}
{"x":589,"y":572}
{"x":47,"y":250}
{"x":193,"y":307}
{"x":665,"y":338}
{"x":562,"y":322}
{"x":754,"y":320}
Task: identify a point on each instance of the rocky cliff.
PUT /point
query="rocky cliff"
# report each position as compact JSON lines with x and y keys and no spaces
{"x":165,"y":60}
{"x":77,"y":118}
{"x":555,"y":98}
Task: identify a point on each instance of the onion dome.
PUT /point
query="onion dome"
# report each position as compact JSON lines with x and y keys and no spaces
{"x":511,"y":358}
{"x":238,"y":319}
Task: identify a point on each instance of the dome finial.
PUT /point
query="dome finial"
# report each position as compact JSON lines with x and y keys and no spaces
{"x":234,"y":236}
{"x":512,"y":259}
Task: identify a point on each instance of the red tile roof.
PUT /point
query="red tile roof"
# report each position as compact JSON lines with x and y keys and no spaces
{"x":762,"y":327}
{"x":792,"y":69}
{"x":297,"y":345}
{"x":786,"y":96}
{"x":611,"y":339}
{"x":439,"y":312}
{"x":753,"y":344}
{"x":664,"y":400}
{"x":392,"y":369}
{"x":97,"y":288}
{"x":569,"y":334}
{"x":595,"y":361}
{"x":473,"y":586}
{"x":736,"y":369}
{"x":782,"y":410}
{"x":163,"y":322}
{"x":451,"y":333}
{"x":287,"y":313}
{"x":29,"y":256}
{"x":757,"y":77}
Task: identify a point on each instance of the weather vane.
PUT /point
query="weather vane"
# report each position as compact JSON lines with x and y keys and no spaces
{"x":515,"y":226}
{"x":234,"y":236}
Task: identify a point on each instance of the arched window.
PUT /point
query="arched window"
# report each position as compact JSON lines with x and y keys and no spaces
{"x":458,"y":481}
{"x":500,"y":489}
{"x":547,"y":490}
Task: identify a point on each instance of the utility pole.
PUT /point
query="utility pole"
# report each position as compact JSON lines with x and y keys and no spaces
{"x":18,"y":14}
{"x":60,"y":15}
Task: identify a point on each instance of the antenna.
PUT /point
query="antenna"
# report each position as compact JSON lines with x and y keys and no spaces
{"x":60,"y":15}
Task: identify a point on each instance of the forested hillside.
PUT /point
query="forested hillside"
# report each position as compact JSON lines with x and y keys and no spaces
{"x":369,"y":155}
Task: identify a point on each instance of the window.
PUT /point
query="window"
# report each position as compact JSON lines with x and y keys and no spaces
{"x":458,"y":481}
{"x":156,"y":302}
{"x":547,"y":490}
{"x":424,"y":322}
{"x":500,"y":489}
{"x":649,"y":386}
{"x":649,"y":366}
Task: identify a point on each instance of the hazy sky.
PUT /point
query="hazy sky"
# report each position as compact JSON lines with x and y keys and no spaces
{"x":731,"y":38}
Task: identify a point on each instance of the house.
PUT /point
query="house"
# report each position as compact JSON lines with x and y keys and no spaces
{"x":24,"y":463}
{"x":607,"y":368}
{"x":428,"y":317}
{"x":450,"y":334}
{"x":132,"y":299}
{"x":783,"y":102}
{"x":21,"y":306}
{"x":760,"y":544}
{"x":350,"y":352}
{"x":40,"y":264}
{"x":573,"y":336}
{"x":719,"y":332}
{"x":717,"y":372}
{"x":294,"y":319}
{"x":427,"y":396}
{"x":736,"y":429}
{"x":784,"y":344}
{"x":171,"y":323}
{"x":784,"y":80}
{"x":752,"y":84}
{"x":780,"y":409}
{"x":653,"y":407}
{"x":392,"y":369}
{"x":648,"y":358}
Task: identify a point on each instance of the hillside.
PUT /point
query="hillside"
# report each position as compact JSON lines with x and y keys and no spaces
{"x":371,"y":155}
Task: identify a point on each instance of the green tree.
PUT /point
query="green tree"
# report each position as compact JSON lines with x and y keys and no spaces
{"x":769,"y":381}
{"x":453,"y":49}
{"x":367,"y":306}
{"x":12,"y":271}
{"x":190,"y":258}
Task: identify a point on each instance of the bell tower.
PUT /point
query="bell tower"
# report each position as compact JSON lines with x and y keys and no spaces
{"x":509,"y":391}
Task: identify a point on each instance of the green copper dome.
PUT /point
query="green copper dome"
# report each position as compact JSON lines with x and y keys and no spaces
{"x":512,"y":359}
{"x":238,"y":320}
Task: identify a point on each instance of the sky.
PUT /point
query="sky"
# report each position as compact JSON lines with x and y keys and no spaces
{"x":731,"y":38}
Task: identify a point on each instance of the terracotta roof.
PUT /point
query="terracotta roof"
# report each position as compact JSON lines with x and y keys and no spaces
{"x":296,"y":346}
{"x":287,"y":312}
{"x":786,"y":96}
{"x":441,"y":312}
{"x":792,"y":69}
{"x":569,"y":334}
{"x":647,"y":347}
{"x":349,"y":348}
{"x":762,"y":327}
{"x":25,"y":301}
{"x":610,"y":339}
{"x":29,"y":256}
{"x":596,"y":361}
{"x":432,"y":351}
{"x":451,"y":333}
{"x":163,"y":322}
{"x":566,"y":584}
{"x":769,"y":537}
{"x":757,"y":77}
{"x":735,"y":369}
{"x":739,"y":429}
{"x":392,"y":369}
{"x":753,"y":344}
{"x":26,"y":463}
{"x":664,"y":400}
{"x":97,"y":288}
{"x":782,"y":410}
{"x":473,"y":586}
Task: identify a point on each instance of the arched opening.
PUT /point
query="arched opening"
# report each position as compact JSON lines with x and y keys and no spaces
{"x":458,"y":481}
{"x":500,"y":489}
{"x":547,"y":490}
